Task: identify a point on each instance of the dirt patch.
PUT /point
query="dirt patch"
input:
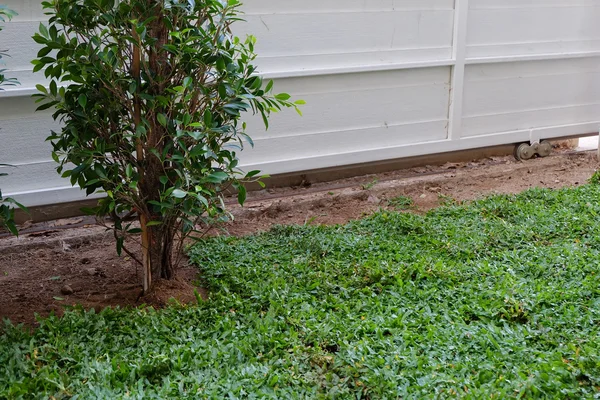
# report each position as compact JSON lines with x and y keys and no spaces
{"x":428,"y":187}
{"x":56,"y":265}
{"x":43,"y":273}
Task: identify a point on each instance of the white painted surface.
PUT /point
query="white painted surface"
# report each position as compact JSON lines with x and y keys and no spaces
{"x":525,"y":95}
{"x":383,"y":79}
{"x":525,"y":27}
{"x":588,"y":143}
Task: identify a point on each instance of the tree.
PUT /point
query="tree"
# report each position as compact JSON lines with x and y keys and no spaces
{"x":7,"y":213}
{"x":150,"y":94}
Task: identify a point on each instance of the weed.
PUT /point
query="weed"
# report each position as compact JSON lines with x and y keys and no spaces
{"x":369,"y":186}
{"x":401,"y":203}
{"x":446,"y":200}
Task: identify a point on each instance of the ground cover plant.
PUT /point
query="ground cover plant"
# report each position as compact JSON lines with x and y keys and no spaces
{"x":497,"y":299}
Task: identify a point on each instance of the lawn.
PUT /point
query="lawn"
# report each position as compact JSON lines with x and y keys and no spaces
{"x":496,"y":299}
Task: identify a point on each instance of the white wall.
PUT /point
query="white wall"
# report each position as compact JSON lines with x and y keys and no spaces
{"x":383,"y":79}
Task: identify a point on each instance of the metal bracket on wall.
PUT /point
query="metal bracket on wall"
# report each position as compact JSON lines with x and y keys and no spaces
{"x":526,"y":151}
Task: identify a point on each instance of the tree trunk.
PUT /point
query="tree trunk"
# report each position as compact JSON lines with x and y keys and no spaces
{"x":157,"y":240}
{"x":146,"y":266}
{"x":157,"y":253}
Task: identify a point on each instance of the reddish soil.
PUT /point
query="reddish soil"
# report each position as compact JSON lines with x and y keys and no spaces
{"x":78,"y":270}
{"x":429,"y":187}
{"x":70,"y":262}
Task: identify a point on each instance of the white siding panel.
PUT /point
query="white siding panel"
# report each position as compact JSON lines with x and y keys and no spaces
{"x":16,"y":38}
{"x":27,"y":138}
{"x":358,"y":6}
{"x":19,"y":107}
{"x":29,"y":10}
{"x":353,"y":113}
{"x":526,"y":27}
{"x":39,"y":184}
{"x":322,"y":35}
{"x":526,"y":95}
{"x":352,"y":101}
{"x":338,"y":142}
{"x":32,"y":177}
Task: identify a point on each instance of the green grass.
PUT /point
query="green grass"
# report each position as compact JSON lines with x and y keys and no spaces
{"x":401,"y":203}
{"x":499,"y":298}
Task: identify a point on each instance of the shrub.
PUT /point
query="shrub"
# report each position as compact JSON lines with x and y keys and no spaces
{"x":151,"y":107}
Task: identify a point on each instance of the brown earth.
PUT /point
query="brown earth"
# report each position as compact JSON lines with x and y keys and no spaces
{"x":72,"y":261}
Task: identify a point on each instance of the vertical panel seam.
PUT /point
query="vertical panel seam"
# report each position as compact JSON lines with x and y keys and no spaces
{"x":459,"y":50}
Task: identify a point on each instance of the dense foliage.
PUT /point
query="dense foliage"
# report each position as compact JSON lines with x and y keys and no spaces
{"x":499,"y":299}
{"x":7,"y":213}
{"x":150,"y":94}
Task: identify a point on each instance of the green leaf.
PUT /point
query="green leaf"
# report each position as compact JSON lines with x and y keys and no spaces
{"x":162,"y":119}
{"x":44,"y":52}
{"x":269,"y":86}
{"x":140,"y":131}
{"x":162,"y":205}
{"x":283,"y":96}
{"x":264,"y":117}
{"x":217,"y":177}
{"x":53,"y":88}
{"x":179,"y":194}
{"x":11,"y":226}
{"x":82,"y":100}
{"x":208,"y":121}
{"x":203,"y":200}
{"x":41,"y":88}
{"x":46,"y":106}
{"x":252,"y":174}
{"x":44,"y":31}
{"x":241,"y":194}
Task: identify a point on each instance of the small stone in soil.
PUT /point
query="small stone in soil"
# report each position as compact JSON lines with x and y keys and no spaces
{"x":67,"y":290}
{"x":373,"y":199}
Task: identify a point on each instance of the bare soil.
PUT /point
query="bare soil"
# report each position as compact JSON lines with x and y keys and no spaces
{"x":72,"y":261}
